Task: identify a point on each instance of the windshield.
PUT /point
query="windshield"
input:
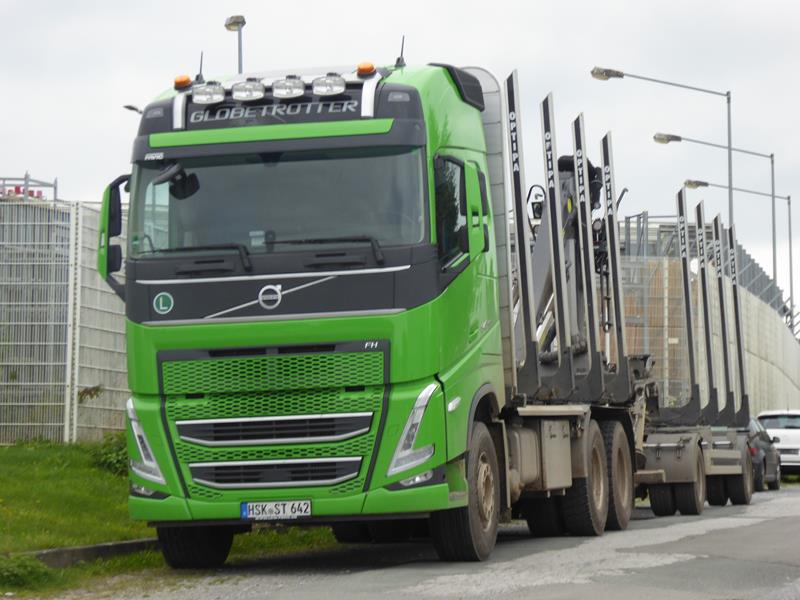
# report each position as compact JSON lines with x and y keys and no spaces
{"x":781,"y":421}
{"x":261,"y":200}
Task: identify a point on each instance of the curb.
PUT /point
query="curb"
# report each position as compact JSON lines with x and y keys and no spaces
{"x":59,"y":558}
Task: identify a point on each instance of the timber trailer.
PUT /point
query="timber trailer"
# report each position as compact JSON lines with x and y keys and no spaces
{"x":336,"y":313}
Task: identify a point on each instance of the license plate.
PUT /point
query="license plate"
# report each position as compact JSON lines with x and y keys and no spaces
{"x":276,"y":511}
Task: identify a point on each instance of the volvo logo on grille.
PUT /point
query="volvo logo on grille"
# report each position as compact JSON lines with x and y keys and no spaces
{"x":270,"y":296}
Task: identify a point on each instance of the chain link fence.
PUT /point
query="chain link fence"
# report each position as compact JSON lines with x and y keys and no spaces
{"x":62,"y":341}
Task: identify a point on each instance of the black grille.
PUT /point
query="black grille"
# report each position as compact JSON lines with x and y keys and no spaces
{"x":276,"y":473}
{"x":309,"y":428}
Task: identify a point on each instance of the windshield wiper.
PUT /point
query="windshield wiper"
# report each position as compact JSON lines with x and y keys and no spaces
{"x":376,"y":247}
{"x":244,"y":253}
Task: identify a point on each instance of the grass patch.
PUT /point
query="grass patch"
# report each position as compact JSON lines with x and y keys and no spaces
{"x":53,"y":496}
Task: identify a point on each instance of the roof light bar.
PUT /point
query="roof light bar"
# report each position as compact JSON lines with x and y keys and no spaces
{"x":247,"y":91}
{"x":291,"y":87}
{"x":328,"y":85}
{"x":208,"y":93}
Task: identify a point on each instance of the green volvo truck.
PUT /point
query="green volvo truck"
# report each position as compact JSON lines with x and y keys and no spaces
{"x":332,"y":315}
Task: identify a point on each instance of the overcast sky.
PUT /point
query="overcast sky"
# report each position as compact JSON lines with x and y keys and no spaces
{"x":68,"y":67}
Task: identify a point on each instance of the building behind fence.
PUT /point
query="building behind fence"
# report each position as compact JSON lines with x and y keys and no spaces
{"x":62,"y":341}
{"x":62,"y":330}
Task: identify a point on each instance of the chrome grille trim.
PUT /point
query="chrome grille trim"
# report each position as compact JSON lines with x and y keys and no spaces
{"x":276,"y":440}
{"x":356,"y":460}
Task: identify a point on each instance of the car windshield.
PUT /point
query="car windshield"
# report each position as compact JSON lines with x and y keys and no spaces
{"x":260,"y":200}
{"x":780,"y":421}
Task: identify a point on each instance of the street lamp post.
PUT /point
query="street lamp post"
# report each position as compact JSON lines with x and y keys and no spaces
{"x":236,"y":23}
{"x":666,"y":138}
{"x":694,"y":184}
{"x":602,"y":74}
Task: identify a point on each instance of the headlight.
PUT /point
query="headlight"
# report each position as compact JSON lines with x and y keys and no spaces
{"x":147,"y":467}
{"x":291,"y":87}
{"x":329,"y":85}
{"x":405,"y":456}
{"x":208,"y":93}
{"x":247,"y":90}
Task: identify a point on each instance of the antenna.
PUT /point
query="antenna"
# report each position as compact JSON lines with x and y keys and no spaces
{"x":199,"y":77}
{"x":401,"y":62}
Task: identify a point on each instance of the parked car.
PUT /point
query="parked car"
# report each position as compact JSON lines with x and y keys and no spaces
{"x":766,"y":457}
{"x":785,"y":425}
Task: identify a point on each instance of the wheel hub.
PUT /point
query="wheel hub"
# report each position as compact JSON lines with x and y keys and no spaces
{"x":485,"y":491}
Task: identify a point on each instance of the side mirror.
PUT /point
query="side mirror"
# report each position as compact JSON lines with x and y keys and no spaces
{"x":776,"y":440}
{"x":109,"y":256}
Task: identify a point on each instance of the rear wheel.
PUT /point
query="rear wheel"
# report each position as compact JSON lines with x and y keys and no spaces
{"x":715,"y":490}
{"x":758,"y":476}
{"x":620,"y":475}
{"x":351,"y":533}
{"x":690,"y":498}
{"x":543,"y":516}
{"x":195,"y":547}
{"x":740,"y":487}
{"x":776,"y":484}
{"x":585,"y":504}
{"x":470,"y":533}
{"x":662,"y":500}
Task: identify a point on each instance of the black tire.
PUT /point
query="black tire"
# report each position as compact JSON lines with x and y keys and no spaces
{"x":195,"y":547}
{"x":690,"y":498}
{"x":715,"y":490}
{"x":351,"y":533}
{"x":620,"y":475}
{"x":543,"y":516}
{"x":759,"y":473}
{"x":776,"y":484}
{"x":740,"y":487}
{"x":584,"y":507}
{"x":662,"y":500}
{"x":390,"y":532}
{"x":470,"y":533}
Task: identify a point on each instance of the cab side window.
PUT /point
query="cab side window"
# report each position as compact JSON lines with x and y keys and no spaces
{"x":451,"y":207}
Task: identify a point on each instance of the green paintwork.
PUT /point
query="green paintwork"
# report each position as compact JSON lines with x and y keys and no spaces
{"x":102,"y":242}
{"x":264,"y":133}
{"x":454,"y":340}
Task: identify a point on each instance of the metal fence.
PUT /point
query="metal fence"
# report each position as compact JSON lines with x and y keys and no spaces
{"x":62,"y":343}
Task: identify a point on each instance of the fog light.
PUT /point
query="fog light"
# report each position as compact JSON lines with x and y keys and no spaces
{"x":249,"y":90}
{"x":417,"y":479}
{"x":140,"y":490}
{"x":329,"y":85}
{"x":291,"y":87}
{"x":208,"y":93}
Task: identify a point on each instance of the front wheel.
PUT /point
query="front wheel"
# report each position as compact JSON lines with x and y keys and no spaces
{"x":197,"y":547}
{"x":776,"y":484}
{"x":469,"y":533}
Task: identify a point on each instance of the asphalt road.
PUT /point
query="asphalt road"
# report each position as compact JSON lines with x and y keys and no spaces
{"x":726,"y":553}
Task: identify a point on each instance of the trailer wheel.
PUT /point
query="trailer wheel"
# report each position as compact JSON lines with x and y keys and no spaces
{"x":351,"y":533}
{"x":662,"y":500}
{"x":715,"y":490}
{"x":620,"y":475}
{"x":470,"y":533}
{"x":585,"y":504}
{"x":776,"y":485}
{"x":758,"y":477}
{"x":740,"y":487}
{"x":690,"y":498}
{"x":195,"y":547}
{"x":543,"y":516}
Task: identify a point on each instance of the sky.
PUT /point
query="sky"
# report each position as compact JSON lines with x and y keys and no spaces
{"x":68,"y":68}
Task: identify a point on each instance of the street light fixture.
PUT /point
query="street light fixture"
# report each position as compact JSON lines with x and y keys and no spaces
{"x":693,"y":184}
{"x":665,"y":138}
{"x":603,"y":74}
{"x":236,"y":23}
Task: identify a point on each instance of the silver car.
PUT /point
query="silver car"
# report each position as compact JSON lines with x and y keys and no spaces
{"x":785,"y":425}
